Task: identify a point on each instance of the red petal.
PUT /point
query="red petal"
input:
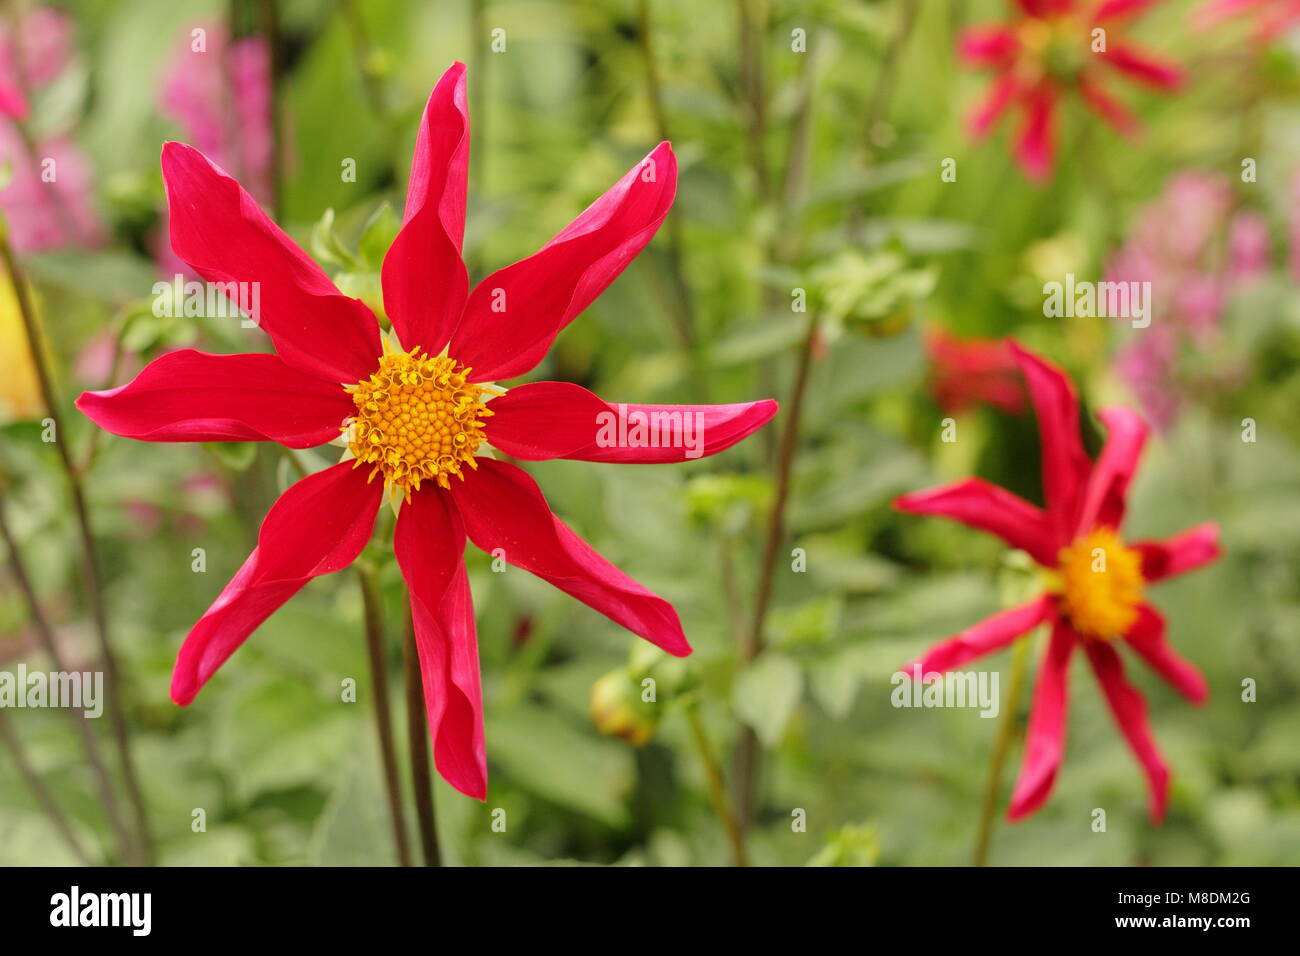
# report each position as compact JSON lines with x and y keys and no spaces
{"x":1147,"y":637}
{"x":1114,"y":9}
{"x":193,"y":396}
{"x":1130,"y":712}
{"x":987,"y":45}
{"x":987,"y":636}
{"x":1045,"y":8}
{"x":1107,"y":490}
{"x":1107,"y":107}
{"x":514,"y":315}
{"x":1035,"y":143}
{"x":1045,"y":735}
{"x":1185,"y":551}
{"x":1143,"y":67}
{"x":1001,"y":92}
{"x":430,"y":547}
{"x":503,"y":508}
{"x":424,"y":278}
{"x":318,"y":526}
{"x":221,"y":232}
{"x":979,"y":504}
{"x":544,"y":420}
{"x":1065,"y":463}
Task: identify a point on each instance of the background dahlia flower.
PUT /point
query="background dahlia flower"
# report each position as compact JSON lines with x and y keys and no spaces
{"x":1094,"y":596}
{"x":411,"y":409}
{"x":1045,"y":54}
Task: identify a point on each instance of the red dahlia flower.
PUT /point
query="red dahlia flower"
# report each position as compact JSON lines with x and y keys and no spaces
{"x":1095,"y":582}
{"x":1046,"y":54}
{"x":412,"y":410}
{"x":966,"y":372}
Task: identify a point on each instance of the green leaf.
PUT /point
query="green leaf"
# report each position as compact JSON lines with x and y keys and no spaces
{"x":766,"y":693}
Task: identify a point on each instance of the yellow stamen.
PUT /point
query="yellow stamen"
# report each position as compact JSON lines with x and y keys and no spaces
{"x":418,"y":418}
{"x":1101,"y":584}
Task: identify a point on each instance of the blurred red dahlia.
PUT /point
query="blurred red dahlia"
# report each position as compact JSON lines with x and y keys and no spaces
{"x":1047,"y":53}
{"x":1096,"y":582}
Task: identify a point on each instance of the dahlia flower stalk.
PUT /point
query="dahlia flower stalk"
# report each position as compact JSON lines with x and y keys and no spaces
{"x":1094,"y":597}
{"x":411,"y":409}
{"x":1044,"y":55}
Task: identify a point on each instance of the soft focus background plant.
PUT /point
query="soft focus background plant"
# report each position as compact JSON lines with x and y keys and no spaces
{"x":817,"y":171}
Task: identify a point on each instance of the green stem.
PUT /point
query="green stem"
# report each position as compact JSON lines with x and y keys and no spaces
{"x":746,"y":760}
{"x":1002,"y":747}
{"x":684,"y":313}
{"x":89,"y":743}
{"x":42,"y":793}
{"x":374,"y":621}
{"x":417,"y":737}
{"x":144,"y":852}
{"x":717,"y":785}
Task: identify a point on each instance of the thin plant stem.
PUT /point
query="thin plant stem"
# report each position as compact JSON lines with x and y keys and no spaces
{"x":270,"y":13}
{"x":89,"y":742}
{"x":717,"y":785}
{"x":747,"y":751}
{"x":753,"y":95}
{"x":90,"y":561}
{"x":42,"y":793}
{"x":373,"y":610}
{"x":417,"y":736}
{"x":684,"y":312}
{"x":1001,"y":747}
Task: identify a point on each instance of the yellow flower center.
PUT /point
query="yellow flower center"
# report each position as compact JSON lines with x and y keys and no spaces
{"x":418,"y":418}
{"x":1101,"y":584}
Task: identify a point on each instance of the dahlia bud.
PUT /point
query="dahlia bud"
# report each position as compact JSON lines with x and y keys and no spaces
{"x":620,"y":708}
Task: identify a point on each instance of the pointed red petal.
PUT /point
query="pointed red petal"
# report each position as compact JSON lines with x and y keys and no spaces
{"x":987,"y":45}
{"x":318,"y":526}
{"x":987,"y":507}
{"x":543,"y":420}
{"x":1185,"y":551}
{"x":225,"y":237}
{"x":1143,"y":67}
{"x":193,"y":396}
{"x":514,"y":315}
{"x":1129,"y":709}
{"x":989,"y":635}
{"x":503,"y":508}
{"x":1107,"y":490}
{"x":1045,"y":735}
{"x":1147,"y":637}
{"x":1065,"y":463}
{"x":424,"y":279}
{"x":430,"y":545}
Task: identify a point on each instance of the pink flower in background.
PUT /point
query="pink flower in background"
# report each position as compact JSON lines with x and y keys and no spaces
{"x":48,"y":200}
{"x":1043,"y":55}
{"x":221,"y":98}
{"x":1271,"y":17}
{"x":32,"y":57}
{"x":1194,"y":250}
